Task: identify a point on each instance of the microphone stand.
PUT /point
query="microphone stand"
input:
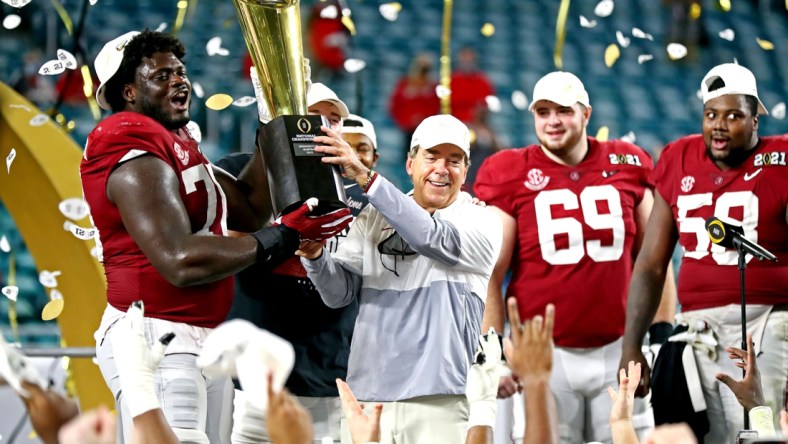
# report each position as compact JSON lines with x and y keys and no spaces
{"x":742,"y":266}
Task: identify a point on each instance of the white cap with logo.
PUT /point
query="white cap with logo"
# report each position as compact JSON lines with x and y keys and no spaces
{"x":563,"y":88}
{"x":354,"y":124}
{"x":321,"y":93}
{"x":735,"y":79}
{"x":443,"y":128}
{"x":108,"y":62}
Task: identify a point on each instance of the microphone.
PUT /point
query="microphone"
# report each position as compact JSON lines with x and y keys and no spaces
{"x":732,"y":236}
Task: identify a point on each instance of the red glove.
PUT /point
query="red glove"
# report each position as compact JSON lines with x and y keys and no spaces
{"x":316,"y":228}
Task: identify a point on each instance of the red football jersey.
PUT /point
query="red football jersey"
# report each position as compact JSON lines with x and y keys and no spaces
{"x":575,"y":233}
{"x":130,"y":275}
{"x":753,"y":195}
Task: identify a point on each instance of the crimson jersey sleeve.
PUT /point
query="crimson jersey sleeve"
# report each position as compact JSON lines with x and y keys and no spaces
{"x":753,"y":195}
{"x":575,"y":233}
{"x":130,"y":275}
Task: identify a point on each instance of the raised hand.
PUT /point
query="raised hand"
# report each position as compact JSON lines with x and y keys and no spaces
{"x":529,"y":351}
{"x":287,"y":420}
{"x":748,"y":390}
{"x":363,"y":428}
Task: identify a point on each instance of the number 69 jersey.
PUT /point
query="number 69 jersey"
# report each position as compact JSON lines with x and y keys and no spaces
{"x":753,"y":195}
{"x":575,"y":233}
{"x":130,"y":275}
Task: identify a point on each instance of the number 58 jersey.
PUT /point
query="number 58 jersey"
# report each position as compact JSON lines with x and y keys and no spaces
{"x":753,"y":195}
{"x":575,"y":233}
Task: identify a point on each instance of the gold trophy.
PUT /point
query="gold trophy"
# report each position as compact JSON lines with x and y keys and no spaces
{"x":272,"y":31}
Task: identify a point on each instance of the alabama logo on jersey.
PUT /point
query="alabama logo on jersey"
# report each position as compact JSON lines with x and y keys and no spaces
{"x":536,"y":180}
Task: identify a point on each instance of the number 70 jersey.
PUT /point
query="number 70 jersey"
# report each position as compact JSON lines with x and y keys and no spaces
{"x":753,"y":195}
{"x":575,"y":233}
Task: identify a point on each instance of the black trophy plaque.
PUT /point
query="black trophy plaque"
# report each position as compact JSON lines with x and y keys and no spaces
{"x":295,"y":172}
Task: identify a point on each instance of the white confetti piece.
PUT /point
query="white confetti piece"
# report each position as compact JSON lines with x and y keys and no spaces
{"x":39,"y":119}
{"x":74,"y":208}
{"x":9,"y":159}
{"x":493,"y":103}
{"x":390,"y":11}
{"x":67,"y":58}
{"x":244,"y":101}
{"x":329,"y":12}
{"x":16,"y":3}
{"x":442,"y":91}
{"x":162,"y":27}
{"x":727,"y":34}
{"x":519,"y":100}
{"x":622,"y":40}
{"x":586,"y":23}
{"x":629,"y":137}
{"x":639,"y":33}
{"x":19,"y":106}
{"x":676,"y":51}
{"x":52,"y":67}
{"x":214,"y":47}
{"x":11,"y":292}
{"x":5,"y":247}
{"x":48,"y":278}
{"x":93,"y":2}
{"x":778,"y":112}
{"x":197,"y":88}
{"x":82,"y":233}
{"x":193,"y":128}
{"x":11,"y":21}
{"x":55,"y":294}
{"x":643,"y":58}
{"x":354,"y":65}
{"x":604,"y":8}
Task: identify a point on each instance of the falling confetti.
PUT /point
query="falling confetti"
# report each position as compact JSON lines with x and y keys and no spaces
{"x":214,"y":47}
{"x":218,"y":102}
{"x":79,"y":232}
{"x":11,"y":21}
{"x":197,"y":88}
{"x":9,"y":160}
{"x":519,"y":100}
{"x":602,"y":134}
{"x":442,"y":91}
{"x":162,"y":27}
{"x":390,"y":11}
{"x":640,"y":34}
{"x":52,"y":67}
{"x":193,"y":128}
{"x":643,"y":58}
{"x":493,"y":103}
{"x":48,"y":278}
{"x":612,"y":53}
{"x":354,"y":65}
{"x":622,"y":40}
{"x":586,"y":23}
{"x":244,"y":101}
{"x":39,"y":119}
{"x":11,"y":292}
{"x":67,"y":58}
{"x":19,"y":106}
{"x":765,"y":44}
{"x":725,"y":5}
{"x":16,"y":3}
{"x":629,"y":137}
{"x":727,"y":34}
{"x":778,"y":112}
{"x":74,"y":208}
{"x":54,"y":307}
{"x":5,"y":247}
{"x":604,"y":8}
{"x":92,"y":2}
{"x":695,"y":11}
{"x":560,"y":33}
{"x":488,"y":30}
{"x":329,"y":12}
{"x":676,"y":51}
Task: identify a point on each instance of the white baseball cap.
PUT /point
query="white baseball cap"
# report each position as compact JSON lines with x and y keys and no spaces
{"x":443,"y":128}
{"x":354,"y":124}
{"x":321,"y":93}
{"x":108,"y":62}
{"x":736,"y":79}
{"x":563,"y":88}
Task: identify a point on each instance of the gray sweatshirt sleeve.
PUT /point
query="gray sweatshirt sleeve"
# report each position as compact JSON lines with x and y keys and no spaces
{"x":336,"y":284}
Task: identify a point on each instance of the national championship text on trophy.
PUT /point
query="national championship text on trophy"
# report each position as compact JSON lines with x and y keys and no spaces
{"x":272,"y":30}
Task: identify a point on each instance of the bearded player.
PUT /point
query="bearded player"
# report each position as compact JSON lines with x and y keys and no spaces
{"x":162,"y":212}
{"x":574,"y":211}
{"x":731,"y":173}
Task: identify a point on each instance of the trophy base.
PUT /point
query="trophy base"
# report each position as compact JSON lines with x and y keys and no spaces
{"x":295,"y":172}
